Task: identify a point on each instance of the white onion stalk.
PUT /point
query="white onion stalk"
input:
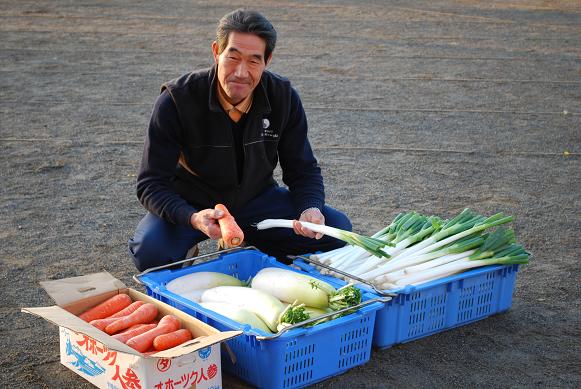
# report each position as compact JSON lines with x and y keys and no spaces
{"x":438,"y":262}
{"x":373,"y":245}
{"x":459,"y":246}
{"x":461,"y":265}
{"x":387,"y":286}
{"x":437,"y":272}
{"x":367,"y":265}
{"x":393,"y":266}
{"x":348,"y":265}
{"x":437,"y":277}
{"x":341,"y":257}
{"x":392,"y":277}
{"x":331,"y":255}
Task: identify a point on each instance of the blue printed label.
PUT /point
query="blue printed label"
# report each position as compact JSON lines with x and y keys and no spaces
{"x":82,"y":363}
{"x":205,"y":352}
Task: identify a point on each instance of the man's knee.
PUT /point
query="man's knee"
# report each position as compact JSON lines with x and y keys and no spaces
{"x":158,"y":243}
{"x":145,"y":252}
{"x":337,"y":219}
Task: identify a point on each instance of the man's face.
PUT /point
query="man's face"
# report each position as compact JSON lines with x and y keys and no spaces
{"x":240,"y":65}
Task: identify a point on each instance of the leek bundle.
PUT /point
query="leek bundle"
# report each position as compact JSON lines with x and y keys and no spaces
{"x":423,"y":248}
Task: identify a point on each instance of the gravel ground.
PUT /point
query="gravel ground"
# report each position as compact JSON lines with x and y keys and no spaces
{"x":426,"y":105}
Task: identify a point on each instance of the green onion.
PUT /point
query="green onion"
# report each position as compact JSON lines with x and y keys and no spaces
{"x":460,"y":246}
{"x":293,"y":313}
{"x":344,"y":297}
{"x":371,"y":245}
{"x":512,"y":255}
{"x":494,"y":243}
{"x":466,"y":226}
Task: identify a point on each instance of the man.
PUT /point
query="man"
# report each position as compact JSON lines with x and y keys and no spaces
{"x":215,"y":136}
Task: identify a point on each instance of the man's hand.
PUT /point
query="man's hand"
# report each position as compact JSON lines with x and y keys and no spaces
{"x":206,"y":221}
{"x":312,"y":215}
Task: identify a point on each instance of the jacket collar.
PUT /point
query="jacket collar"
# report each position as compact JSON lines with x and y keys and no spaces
{"x":260,"y":103}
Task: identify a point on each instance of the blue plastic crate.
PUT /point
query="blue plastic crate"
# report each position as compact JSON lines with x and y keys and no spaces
{"x":436,"y":306}
{"x":298,"y":357}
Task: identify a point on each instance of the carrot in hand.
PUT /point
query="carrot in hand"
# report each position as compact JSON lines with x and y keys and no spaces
{"x":144,"y":341}
{"x":107,"y":307}
{"x":102,"y":323}
{"x":231,"y":233}
{"x":144,"y":314}
{"x":129,"y":310}
{"x":167,"y":341}
{"x":134,"y":331}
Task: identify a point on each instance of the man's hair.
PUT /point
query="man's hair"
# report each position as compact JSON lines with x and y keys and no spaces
{"x":246,"y":21}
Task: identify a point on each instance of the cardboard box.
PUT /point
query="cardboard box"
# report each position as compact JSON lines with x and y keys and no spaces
{"x":106,"y":362}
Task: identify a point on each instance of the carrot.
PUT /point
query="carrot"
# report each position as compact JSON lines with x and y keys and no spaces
{"x":102,"y":323}
{"x":136,"y":326}
{"x":231,"y":233}
{"x":166,"y":341}
{"x":107,"y":307}
{"x":144,"y":314}
{"x":129,"y":310}
{"x":134,"y":331}
{"x":144,"y":341}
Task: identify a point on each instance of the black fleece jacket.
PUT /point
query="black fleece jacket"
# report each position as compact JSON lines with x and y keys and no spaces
{"x":188,"y":120}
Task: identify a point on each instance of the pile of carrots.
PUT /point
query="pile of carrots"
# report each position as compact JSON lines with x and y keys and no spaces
{"x":133,"y":323}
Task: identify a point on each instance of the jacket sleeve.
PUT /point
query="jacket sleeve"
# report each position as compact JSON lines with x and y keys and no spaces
{"x":158,"y":165}
{"x":300,"y":169}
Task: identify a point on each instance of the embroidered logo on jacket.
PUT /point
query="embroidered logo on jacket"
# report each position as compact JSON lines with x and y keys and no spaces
{"x":267,"y":132}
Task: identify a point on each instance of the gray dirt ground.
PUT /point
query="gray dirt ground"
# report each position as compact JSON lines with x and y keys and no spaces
{"x":426,"y":105}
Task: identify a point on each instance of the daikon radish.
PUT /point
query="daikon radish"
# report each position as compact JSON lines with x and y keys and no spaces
{"x":201,"y":281}
{"x":290,"y":286}
{"x":265,"y":306}
{"x":238,"y":314}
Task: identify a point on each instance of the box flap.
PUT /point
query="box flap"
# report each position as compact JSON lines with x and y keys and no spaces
{"x":72,"y":289}
{"x":62,"y":318}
